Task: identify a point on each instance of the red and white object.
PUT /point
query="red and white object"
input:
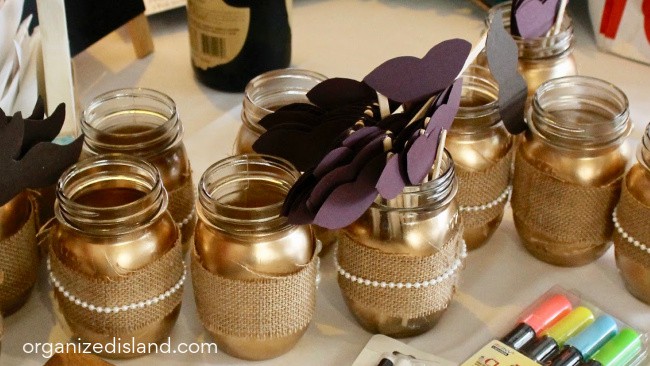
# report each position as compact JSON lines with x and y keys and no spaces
{"x":622,"y":27}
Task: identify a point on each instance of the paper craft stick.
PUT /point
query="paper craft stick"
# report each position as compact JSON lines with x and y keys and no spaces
{"x":557,"y":27}
{"x":439,"y":153}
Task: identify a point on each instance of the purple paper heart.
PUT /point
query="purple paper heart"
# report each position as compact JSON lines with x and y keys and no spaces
{"x":410,"y":79}
{"x":422,"y":152}
{"x":335,"y":92}
{"x":533,"y":18}
{"x":349,"y":201}
{"x":344,"y":174}
{"x":391,"y":182}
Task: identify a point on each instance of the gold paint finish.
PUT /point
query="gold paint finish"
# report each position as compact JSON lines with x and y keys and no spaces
{"x":14,"y":214}
{"x":478,"y":138}
{"x":142,"y":123}
{"x":635,"y":274}
{"x":576,"y":129}
{"x":111,"y":220}
{"x":542,"y":58}
{"x":241,"y":235}
{"x":267,"y":93}
{"x":414,"y":223}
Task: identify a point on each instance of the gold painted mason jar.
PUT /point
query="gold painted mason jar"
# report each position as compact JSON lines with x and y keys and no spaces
{"x":254,"y":274}
{"x":542,"y":58}
{"x":19,"y":256}
{"x":568,"y":170}
{"x":632,"y":235}
{"x":115,"y":259}
{"x":145,"y":123}
{"x":263,"y":95}
{"x":482,"y":151}
{"x":266,"y":93}
{"x":398,"y":264}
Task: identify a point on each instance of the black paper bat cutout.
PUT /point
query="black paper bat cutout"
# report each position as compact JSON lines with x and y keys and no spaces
{"x":502,"y":55}
{"x":27,"y":157}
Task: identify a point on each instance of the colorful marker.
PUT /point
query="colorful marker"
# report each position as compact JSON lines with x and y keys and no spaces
{"x":619,"y":351}
{"x":581,"y":347}
{"x":542,"y":317}
{"x":548,"y":346}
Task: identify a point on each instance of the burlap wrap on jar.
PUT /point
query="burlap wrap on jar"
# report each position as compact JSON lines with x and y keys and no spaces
{"x":399,"y":285}
{"x":181,"y":207}
{"x":263,"y":309}
{"x":119,"y":307}
{"x":632,"y":243}
{"x":483,"y":195}
{"x":575,"y":218}
{"x":18,"y":264}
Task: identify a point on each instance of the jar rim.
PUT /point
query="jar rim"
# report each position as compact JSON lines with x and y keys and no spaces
{"x":549,"y":127}
{"x":643,"y":155}
{"x":434,"y":193}
{"x":252,"y":108}
{"x":480,"y":80}
{"x":538,"y":47}
{"x":139,"y":140}
{"x":115,"y":219}
{"x":224,"y":172}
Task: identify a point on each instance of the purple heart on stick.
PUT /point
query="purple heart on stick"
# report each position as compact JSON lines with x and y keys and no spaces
{"x":533,"y":18}
{"x":411,"y":79}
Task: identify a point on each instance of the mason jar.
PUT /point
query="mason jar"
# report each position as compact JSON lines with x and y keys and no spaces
{"x":18,"y":252}
{"x":632,"y":235}
{"x":145,"y":123}
{"x":541,"y":58}
{"x":481,"y":147}
{"x":569,"y":168}
{"x":115,"y":259}
{"x":253,"y":272}
{"x":398,"y":264}
{"x":268,"y":92}
{"x":263,"y":95}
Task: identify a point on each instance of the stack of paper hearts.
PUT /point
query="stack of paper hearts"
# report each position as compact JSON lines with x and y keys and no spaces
{"x":360,"y":139}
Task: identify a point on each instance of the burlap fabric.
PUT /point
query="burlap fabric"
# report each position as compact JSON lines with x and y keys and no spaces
{"x":265,"y":308}
{"x":482,"y":187}
{"x":375,"y":265}
{"x":181,"y":207}
{"x":18,"y":264}
{"x":634,"y":217}
{"x":146,"y":283}
{"x":576,"y":218}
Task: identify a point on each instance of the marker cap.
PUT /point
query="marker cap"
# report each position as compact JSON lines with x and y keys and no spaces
{"x":543,"y":350}
{"x":619,"y":350}
{"x":548,"y":313}
{"x":570,"y":325}
{"x":594,"y":336}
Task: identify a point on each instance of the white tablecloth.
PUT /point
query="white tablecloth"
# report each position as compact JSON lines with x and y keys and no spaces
{"x":348,"y":38}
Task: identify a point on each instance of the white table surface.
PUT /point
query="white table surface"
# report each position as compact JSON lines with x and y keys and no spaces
{"x":348,"y":38}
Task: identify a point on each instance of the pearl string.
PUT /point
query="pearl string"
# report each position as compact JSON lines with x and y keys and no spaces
{"x":383,"y":284}
{"x":115,"y":309}
{"x":630,"y":239}
{"x":504,"y":196}
{"x":186,"y":220}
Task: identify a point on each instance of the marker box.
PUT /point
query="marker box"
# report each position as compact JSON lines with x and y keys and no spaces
{"x":561,"y":328}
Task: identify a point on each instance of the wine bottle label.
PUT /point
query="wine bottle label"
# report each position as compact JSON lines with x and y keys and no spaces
{"x":217,"y":31}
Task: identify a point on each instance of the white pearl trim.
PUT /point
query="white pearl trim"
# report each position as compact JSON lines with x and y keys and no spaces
{"x":504,"y":196}
{"x":630,"y":239}
{"x":187,"y":219}
{"x":115,"y":309}
{"x":383,"y":284}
